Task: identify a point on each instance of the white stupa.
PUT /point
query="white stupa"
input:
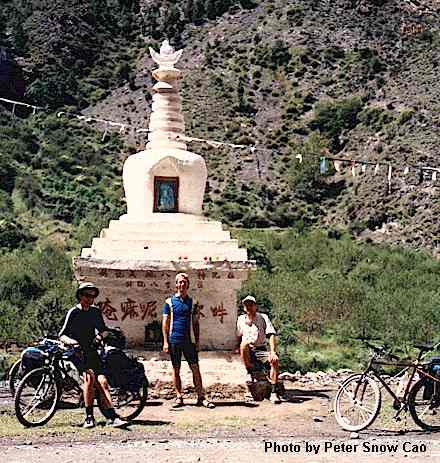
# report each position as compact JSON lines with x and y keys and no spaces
{"x":135,"y":259}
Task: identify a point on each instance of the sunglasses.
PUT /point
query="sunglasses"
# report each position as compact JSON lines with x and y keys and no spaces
{"x":92,"y":295}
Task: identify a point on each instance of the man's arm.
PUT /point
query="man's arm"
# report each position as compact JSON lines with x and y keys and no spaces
{"x":101,"y":327}
{"x":196,"y":330}
{"x":65,"y":332}
{"x":68,"y":341}
{"x":273,"y":348}
{"x":165,"y":331}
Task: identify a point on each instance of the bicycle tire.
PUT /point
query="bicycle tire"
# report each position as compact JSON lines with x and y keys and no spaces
{"x":14,"y":378}
{"x":40,"y":387}
{"x":368,"y":391}
{"x":126,"y":404}
{"x":424,"y":411}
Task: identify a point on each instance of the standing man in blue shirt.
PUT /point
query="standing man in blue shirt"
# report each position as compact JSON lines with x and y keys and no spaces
{"x":181,"y":334}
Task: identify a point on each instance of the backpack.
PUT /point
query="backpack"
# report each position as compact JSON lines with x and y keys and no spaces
{"x":123,"y":371}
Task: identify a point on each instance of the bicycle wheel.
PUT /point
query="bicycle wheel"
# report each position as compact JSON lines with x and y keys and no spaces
{"x":71,"y":388}
{"x":37,"y":397}
{"x":128,"y":405}
{"x":357,"y":402}
{"x":14,"y":377}
{"x":425,"y":407}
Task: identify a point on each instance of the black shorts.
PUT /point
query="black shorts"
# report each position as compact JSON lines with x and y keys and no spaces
{"x":189,"y":352}
{"x":90,"y":360}
{"x":260,"y":358}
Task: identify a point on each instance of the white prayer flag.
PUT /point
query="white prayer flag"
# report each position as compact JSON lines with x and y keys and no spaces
{"x":389,"y":178}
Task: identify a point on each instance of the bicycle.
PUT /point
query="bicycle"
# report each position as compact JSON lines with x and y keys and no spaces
{"x":40,"y":392}
{"x":359,"y":398}
{"x":32,"y":357}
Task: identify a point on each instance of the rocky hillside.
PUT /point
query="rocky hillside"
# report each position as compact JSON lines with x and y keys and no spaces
{"x":355,"y":77}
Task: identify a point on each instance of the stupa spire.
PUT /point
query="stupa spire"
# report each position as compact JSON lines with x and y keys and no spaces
{"x":166,"y":122}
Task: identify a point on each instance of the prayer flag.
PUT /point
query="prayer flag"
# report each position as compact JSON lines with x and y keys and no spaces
{"x":389,"y":178}
{"x":322,"y":165}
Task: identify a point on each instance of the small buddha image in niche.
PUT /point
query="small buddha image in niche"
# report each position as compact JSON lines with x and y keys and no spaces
{"x":166,"y":194}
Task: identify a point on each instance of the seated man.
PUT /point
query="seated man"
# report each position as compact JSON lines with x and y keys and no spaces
{"x":253,"y":328}
{"x":83,"y":327}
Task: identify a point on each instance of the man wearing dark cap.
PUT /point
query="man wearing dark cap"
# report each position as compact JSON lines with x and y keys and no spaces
{"x":84,"y":327}
{"x":253,"y":328}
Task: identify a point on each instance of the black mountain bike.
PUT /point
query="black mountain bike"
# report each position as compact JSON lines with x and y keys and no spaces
{"x":359,"y":398}
{"x":34,"y":356}
{"x":43,"y":390}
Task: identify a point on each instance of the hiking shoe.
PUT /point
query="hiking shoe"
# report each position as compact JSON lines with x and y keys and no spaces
{"x":89,"y":422}
{"x":116,"y":422}
{"x":178,"y":402}
{"x":205,"y":403}
{"x":274,"y":398}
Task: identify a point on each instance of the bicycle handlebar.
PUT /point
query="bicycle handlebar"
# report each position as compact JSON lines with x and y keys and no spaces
{"x":381,"y":351}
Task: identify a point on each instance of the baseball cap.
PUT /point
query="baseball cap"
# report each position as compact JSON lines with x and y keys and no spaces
{"x":249,"y":298}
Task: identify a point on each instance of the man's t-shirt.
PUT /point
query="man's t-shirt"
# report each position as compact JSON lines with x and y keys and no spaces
{"x":181,"y":319}
{"x":255,"y":331}
{"x":82,"y":325}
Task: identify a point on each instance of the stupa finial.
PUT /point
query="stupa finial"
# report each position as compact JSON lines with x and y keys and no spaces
{"x":167,"y":57}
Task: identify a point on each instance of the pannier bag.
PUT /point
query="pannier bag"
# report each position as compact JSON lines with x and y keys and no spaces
{"x":115,"y":338}
{"x":433,"y":370}
{"x":31,"y":358}
{"x":122,"y":371}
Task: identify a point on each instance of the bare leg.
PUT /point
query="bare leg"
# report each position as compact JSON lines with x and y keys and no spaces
{"x":274,"y":370}
{"x":197,"y":379}
{"x":104,"y":392}
{"x":245,"y":355}
{"x":177,"y":381}
{"x":88,"y":387}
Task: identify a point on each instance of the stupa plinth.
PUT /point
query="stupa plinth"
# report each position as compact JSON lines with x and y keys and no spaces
{"x":134,"y":261}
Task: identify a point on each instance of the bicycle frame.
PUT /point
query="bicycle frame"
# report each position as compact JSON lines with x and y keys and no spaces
{"x":415,"y":366}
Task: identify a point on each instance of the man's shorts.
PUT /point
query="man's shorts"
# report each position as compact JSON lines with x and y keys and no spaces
{"x":260,"y":358}
{"x":189,"y":351}
{"x":90,"y":360}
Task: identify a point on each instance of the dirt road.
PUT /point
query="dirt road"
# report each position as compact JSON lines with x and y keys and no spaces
{"x":301,"y":429}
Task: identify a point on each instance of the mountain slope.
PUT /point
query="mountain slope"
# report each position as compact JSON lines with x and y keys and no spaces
{"x":355,"y":77}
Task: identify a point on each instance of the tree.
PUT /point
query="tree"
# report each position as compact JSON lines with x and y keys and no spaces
{"x":188,"y":11}
{"x":305,"y":177}
{"x":199,"y":12}
{"x":211,"y":9}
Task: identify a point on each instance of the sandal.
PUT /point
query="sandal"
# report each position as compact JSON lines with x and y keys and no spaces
{"x":178,"y":402}
{"x":205,"y":403}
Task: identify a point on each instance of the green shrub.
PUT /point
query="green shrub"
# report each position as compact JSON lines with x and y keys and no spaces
{"x":333,"y":117}
{"x":13,"y":235}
